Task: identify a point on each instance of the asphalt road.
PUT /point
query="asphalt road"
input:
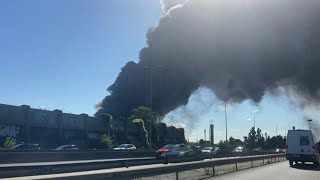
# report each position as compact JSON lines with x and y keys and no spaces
{"x":276,"y":171}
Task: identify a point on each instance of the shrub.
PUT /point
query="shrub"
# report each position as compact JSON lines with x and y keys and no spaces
{"x":9,"y":142}
{"x":107,"y":141}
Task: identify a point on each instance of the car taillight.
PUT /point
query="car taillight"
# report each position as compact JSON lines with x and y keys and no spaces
{"x":314,"y":149}
{"x":286,"y":148}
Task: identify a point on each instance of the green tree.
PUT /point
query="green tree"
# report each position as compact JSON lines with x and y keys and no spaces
{"x":235,"y":142}
{"x":225,"y":146}
{"x":150,"y":121}
{"x":260,"y":140}
{"x":107,"y":141}
{"x":252,"y":138}
{"x":9,"y":142}
{"x":145,"y":114}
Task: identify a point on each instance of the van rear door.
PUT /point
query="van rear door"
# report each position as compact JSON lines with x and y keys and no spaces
{"x":300,"y":142}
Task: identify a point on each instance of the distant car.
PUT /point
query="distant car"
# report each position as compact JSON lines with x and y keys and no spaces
{"x":278,"y":150}
{"x":125,"y":147}
{"x":25,"y":146}
{"x":302,"y":147}
{"x":217,"y":149}
{"x":178,"y":151}
{"x":67,"y":147}
{"x":165,"y":148}
{"x":258,"y":149}
{"x":209,"y":151}
{"x":239,"y":150}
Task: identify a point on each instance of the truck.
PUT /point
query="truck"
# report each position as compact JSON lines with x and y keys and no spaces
{"x":302,"y":147}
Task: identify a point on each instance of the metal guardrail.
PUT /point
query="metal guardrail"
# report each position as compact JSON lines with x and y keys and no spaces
{"x":156,"y":169}
{"x":45,"y":156}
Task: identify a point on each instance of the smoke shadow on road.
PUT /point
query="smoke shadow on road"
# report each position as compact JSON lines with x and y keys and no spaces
{"x":309,"y":167}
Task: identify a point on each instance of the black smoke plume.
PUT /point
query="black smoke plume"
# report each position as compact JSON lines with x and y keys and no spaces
{"x":238,"y":48}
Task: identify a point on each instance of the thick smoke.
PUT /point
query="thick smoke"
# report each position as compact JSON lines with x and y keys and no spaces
{"x":240,"y":49}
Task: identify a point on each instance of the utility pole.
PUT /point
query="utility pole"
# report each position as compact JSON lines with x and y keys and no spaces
{"x":254,"y":120}
{"x":150,"y":103}
{"x":225,"y":115}
{"x":277,"y":134}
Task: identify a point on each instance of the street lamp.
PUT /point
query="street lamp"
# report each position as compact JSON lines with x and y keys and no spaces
{"x":150,"y":105}
{"x":151,"y":95}
{"x":225,"y":115}
{"x":309,"y":120}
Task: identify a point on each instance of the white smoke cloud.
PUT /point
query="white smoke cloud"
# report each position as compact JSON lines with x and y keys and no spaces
{"x":168,"y":4}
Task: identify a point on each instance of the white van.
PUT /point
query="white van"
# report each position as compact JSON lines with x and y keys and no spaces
{"x":301,"y":147}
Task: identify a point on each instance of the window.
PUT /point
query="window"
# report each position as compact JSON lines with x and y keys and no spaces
{"x":304,"y":140}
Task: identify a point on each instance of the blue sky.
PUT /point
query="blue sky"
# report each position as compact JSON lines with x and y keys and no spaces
{"x":63,"y":54}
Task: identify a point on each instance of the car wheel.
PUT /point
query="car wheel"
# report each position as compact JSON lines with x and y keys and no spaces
{"x":291,"y":162}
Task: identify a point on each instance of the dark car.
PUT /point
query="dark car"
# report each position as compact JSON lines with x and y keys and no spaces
{"x":67,"y":147}
{"x":25,"y":146}
{"x":165,"y":149}
{"x":178,"y":151}
{"x":239,"y":150}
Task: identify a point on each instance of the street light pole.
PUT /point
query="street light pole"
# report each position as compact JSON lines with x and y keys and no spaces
{"x":225,"y":115}
{"x":254,"y":121}
{"x":150,"y":105}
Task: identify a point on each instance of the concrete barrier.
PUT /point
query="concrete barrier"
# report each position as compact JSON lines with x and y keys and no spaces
{"x":45,"y":156}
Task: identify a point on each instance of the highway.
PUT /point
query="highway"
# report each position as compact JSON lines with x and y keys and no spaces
{"x":276,"y":171}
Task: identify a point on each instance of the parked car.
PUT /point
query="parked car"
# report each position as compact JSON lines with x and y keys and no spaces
{"x":301,"y":147}
{"x":239,"y":150}
{"x":209,"y":151}
{"x":125,"y":147}
{"x":165,"y":148}
{"x":178,"y":151}
{"x":67,"y":147}
{"x":25,"y":146}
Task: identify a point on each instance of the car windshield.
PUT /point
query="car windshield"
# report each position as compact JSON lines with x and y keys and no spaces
{"x":61,"y":147}
{"x":122,"y":146}
{"x":208,"y":148}
{"x":169,"y":146}
{"x":16,"y":146}
{"x":238,"y":148}
{"x":180,"y":148}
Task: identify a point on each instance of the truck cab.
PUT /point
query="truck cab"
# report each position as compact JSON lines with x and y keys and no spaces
{"x":302,"y":147}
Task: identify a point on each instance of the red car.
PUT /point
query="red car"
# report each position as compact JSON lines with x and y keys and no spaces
{"x":166,"y":148}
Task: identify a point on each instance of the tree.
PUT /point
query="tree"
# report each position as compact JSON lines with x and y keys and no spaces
{"x":145,"y":114}
{"x":224,"y":146}
{"x":9,"y":142}
{"x":107,"y":141}
{"x":260,"y":141}
{"x":252,"y":138}
{"x":235,"y":142}
{"x":150,"y":121}
{"x":201,"y":142}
